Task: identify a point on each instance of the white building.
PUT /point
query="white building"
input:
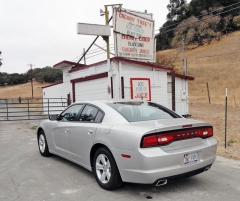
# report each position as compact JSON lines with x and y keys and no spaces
{"x":121,"y":78}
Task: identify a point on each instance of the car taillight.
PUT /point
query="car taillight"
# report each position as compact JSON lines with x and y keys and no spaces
{"x":206,"y":132}
{"x":150,"y":141}
{"x":169,"y":137}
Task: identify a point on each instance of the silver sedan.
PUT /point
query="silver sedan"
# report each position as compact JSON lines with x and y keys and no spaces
{"x":129,"y":141}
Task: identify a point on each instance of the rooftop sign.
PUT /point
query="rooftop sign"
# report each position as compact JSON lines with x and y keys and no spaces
{"x":128,"y":23}
{"x":93,"y":29}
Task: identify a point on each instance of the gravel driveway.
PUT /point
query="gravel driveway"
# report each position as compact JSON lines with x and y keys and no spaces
{"x":25,"y":175}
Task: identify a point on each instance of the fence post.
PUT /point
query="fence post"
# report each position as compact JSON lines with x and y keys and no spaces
{"x":226,"y":107}
{"x":7,"y":108}
{"x":28,"y":110}
{"x":208,"y":94}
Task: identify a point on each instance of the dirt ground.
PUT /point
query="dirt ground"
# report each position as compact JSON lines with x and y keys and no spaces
{"x":215,"y":114}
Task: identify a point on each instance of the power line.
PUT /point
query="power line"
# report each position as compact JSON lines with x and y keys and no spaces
{"x":202,"y":15}
{"x":90,"y":52}
{"x":199,"y":20}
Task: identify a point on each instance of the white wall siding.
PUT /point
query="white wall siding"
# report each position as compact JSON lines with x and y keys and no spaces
{"x":158,"y":80}
{"x":54,"y":98}
{"x":92,"y":90}
{"x":89,"y":71}
{"x":181,"y":104}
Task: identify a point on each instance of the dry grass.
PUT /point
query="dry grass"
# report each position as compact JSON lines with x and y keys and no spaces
{"x":22,"y":90}
{"x":219,"y":65}
{"x":25,"y":92}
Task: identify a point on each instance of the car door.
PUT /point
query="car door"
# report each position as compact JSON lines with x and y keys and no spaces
{"x":82,"y":133}
{"x":61,"y":130}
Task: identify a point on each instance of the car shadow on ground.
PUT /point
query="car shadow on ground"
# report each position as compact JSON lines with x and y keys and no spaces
{"x":143,"y":190}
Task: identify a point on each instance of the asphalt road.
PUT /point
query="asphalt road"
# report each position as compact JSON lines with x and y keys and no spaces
{"x":26,"y":175}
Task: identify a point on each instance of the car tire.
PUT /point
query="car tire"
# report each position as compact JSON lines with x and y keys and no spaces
{"x":105,"y":170}
{"x":42,"y":144}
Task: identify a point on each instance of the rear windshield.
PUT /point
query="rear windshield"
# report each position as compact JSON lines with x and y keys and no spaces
{"x":142,"y":111}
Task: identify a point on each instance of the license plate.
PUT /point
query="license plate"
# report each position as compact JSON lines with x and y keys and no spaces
{"x":190,"y":158}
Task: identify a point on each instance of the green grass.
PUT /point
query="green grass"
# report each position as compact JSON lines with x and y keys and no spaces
{"x":34,"y":127}
{"x":230,"y":142}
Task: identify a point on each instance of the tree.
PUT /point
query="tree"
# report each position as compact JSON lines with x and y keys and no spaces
{"x":177,"y":9}
{"x":197,"y":31}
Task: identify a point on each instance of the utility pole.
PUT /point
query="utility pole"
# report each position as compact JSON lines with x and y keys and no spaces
{"x":107,"y":38}
{"x":31,"y":65}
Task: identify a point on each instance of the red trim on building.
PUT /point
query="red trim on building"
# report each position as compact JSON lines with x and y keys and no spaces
{"x":112,"y":87}
{"x":149,"y":86}
{"x":87,"y":66}
{"x":123,"y":60}
{"x":68,"y":63}
{"x":92,"y":77}
{"x":141,"y":63}
{"x":73,"y":91}
{"x":186,"y":77}
{"x":52,"y":85}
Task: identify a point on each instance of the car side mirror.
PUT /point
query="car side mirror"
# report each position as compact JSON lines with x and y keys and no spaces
{"x":53,"y":117}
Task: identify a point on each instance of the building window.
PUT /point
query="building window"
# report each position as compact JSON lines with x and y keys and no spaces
{"x":169,"y":87}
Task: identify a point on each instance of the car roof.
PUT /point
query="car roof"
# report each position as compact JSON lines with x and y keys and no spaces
{"x":109,"y":101}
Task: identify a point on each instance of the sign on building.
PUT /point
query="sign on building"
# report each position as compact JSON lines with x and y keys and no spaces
{"x":139,"y":48}
{"x":134,"y":35}
{"x":140,"y":89}
{"x":133,"y":25}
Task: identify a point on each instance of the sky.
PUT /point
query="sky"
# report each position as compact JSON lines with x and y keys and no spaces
{"x":43,"y":32}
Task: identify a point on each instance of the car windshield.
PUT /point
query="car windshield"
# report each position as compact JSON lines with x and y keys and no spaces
{"x":142,"y":111}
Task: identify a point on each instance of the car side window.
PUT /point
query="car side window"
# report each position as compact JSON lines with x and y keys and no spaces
{"x":99,"y":117}
{"x":88,"y":114}
{"x":71,"y":113}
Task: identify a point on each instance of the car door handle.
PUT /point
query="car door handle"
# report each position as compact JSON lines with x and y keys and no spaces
{"x":67,"y":130}
{"x":90,"y":132}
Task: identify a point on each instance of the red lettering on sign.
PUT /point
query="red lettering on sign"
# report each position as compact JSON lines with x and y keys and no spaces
{"x":141,"y":95}
{"x":142,"y":22}
{"x":143,"y":51}
{"x":126,"y":17}
{"x":128,"y":37}
{"x":125,"y":49}
{"x":144,"y":39}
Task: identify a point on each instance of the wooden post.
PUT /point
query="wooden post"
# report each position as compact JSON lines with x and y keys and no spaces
{"x":208,"y":94}
{"x":122,"y":86}
{"x":173,"y":92}
{"x":226,"y":102}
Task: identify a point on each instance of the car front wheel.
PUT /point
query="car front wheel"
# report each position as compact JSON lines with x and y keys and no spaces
{"x":42,"y":144}
{"x":105,"y":170}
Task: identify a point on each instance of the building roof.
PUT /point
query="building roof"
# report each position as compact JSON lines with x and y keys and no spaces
{"x":52,"y":85}
{"x":141,"y":63}
{"x":64,"y":64}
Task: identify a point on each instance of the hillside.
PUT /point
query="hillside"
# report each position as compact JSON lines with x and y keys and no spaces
{"x":22,"y":90}
{"x":219,"y":65}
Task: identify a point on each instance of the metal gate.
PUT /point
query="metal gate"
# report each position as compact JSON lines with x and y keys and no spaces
{"x":18,"y":109}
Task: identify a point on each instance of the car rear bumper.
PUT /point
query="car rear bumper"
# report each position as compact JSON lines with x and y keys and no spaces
{"x":148,"y":165}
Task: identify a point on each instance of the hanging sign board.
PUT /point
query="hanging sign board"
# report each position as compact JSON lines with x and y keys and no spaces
{"x":139,"y":48}
{"x":93,"y":29}
{"x":133,"y":25}
{"x":140,"y":89}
